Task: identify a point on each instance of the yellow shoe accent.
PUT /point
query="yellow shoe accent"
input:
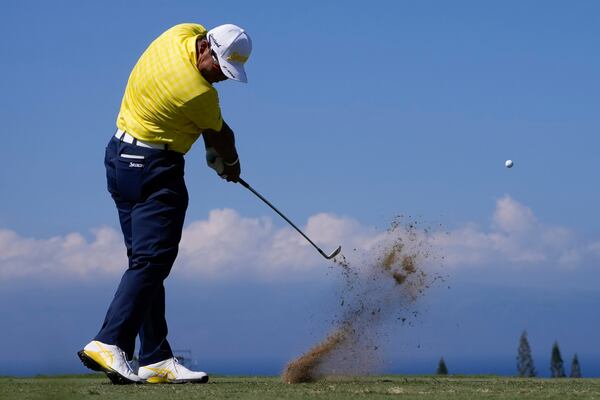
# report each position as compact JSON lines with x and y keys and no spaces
{"x":157,"y":379}
{"x":170,"y":371}
{"x":96,"y":356}
{"x":163,"y":375}
{"x":104,"y":357}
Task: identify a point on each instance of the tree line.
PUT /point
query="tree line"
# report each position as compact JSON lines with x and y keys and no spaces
{"x":526,"y":369}
{"x":525,"y":365}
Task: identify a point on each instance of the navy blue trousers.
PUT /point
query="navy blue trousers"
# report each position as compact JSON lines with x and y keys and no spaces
{"x":149,"y":191}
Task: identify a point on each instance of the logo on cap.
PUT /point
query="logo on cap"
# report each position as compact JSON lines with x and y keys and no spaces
{"x":237,"y":57}
{"x":212,"y":40}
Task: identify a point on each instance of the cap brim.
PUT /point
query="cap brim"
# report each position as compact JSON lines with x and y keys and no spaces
{"x":233,"y":71}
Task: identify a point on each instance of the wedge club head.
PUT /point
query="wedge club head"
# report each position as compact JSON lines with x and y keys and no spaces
{"x":333,"y":253}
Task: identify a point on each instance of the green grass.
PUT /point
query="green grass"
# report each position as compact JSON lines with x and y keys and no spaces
{"x":381,"y":387}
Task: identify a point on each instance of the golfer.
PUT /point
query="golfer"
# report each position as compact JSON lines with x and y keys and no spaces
{"x":169,"y":102}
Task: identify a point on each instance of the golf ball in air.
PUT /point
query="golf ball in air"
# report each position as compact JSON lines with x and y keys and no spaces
{"x":508,"y":163}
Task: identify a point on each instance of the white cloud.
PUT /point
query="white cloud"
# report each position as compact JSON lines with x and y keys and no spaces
{"x":512,"y":217}
{"x":70,"y":256}
{"x":227,"y":245}
{"x":514,"y":237}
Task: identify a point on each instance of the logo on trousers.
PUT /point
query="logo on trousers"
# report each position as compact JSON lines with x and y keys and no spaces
{"x":135,"y":165}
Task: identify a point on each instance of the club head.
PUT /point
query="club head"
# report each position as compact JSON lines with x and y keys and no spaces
{"x":334,"y":253}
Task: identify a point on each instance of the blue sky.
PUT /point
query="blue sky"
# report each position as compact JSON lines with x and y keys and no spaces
{"x":352,"y":115}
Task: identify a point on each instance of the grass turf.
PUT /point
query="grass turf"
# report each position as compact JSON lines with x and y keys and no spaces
{"x":381,"y":387}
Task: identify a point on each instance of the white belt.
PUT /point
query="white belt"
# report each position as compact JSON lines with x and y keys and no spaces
{"x":127,"y":138}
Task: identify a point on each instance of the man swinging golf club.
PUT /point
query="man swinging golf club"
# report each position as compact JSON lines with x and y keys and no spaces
{"x":168,"y":102}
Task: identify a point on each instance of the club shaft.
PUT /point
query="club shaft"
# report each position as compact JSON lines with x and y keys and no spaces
{"x":250,"y":188}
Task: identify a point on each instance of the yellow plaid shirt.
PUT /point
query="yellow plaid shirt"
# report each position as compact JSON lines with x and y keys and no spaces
{"x":167,"y":100}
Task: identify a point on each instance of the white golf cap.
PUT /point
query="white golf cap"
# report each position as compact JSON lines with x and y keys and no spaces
{"x":233,"y":46}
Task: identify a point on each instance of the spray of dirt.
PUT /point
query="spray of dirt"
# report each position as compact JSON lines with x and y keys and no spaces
{"x":383,"y":285}
{"x":302,"y":370}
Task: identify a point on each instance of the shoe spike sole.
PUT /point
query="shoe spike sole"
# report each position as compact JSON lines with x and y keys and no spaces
{"x":177,"y":382}
{"x":115,"y":377}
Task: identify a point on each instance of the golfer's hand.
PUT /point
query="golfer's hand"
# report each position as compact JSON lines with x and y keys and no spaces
{"x":214,"y":160}
{"x":231,"y":171}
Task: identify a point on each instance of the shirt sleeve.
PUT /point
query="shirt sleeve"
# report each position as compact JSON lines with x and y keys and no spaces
{"x":204,"y":111}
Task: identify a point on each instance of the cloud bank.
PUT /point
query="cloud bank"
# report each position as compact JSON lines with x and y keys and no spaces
{"x":228,"y":244}
{"x":515,"y":236}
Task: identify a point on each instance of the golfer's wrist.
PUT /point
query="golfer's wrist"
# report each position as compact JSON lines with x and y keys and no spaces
{"x":231,"y":164}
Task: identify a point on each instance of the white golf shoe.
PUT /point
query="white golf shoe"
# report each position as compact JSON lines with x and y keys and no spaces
{"x":170,"y":371}
{"x":109,"y":359}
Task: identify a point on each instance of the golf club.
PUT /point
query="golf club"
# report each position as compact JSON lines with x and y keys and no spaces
{"x":250,"y":188}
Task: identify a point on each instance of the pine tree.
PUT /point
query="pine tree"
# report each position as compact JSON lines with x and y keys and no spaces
{"x":556,"y":364}
{"x":575,"y":367}
{"x":442,"y":369}
{"x":525,"y":366}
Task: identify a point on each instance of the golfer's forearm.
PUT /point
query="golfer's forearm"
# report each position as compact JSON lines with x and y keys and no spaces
{"x":223,"y":142}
